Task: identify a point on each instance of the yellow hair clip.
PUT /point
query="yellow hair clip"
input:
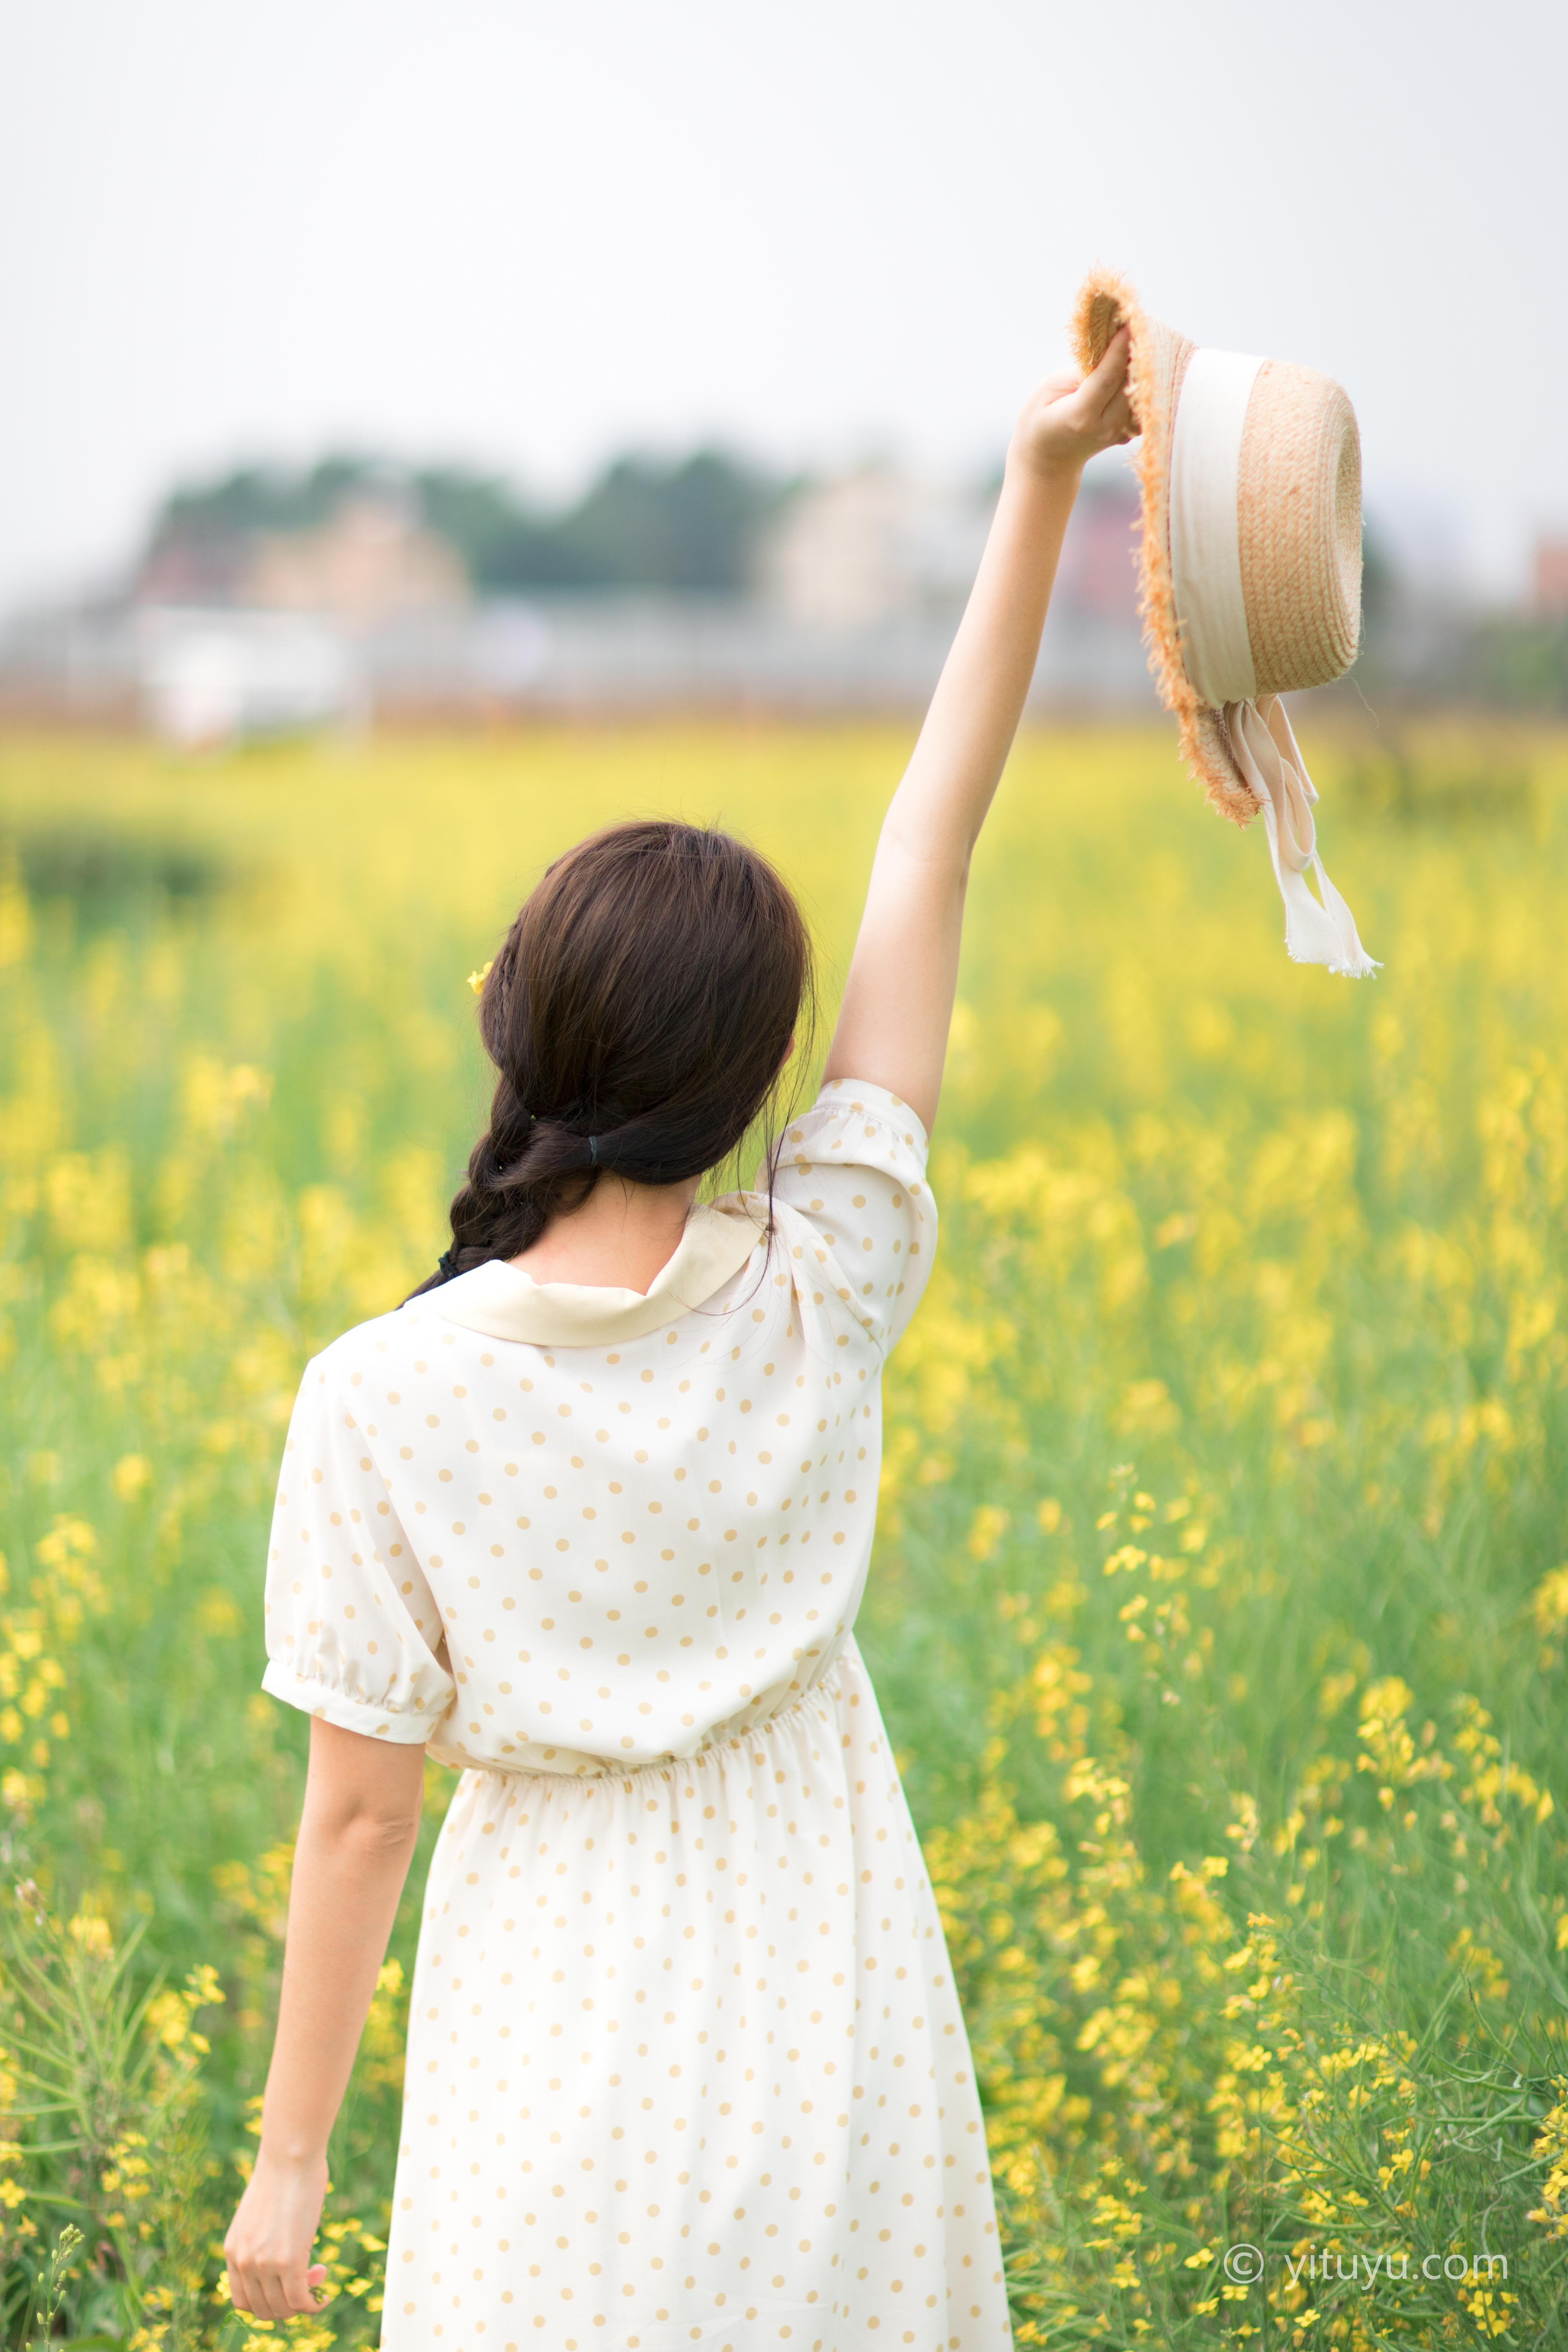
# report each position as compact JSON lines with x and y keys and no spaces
{"x":478,"y":979}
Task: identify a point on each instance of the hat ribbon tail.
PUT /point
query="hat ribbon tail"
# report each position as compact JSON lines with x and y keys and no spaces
{"x":1270,"y":760}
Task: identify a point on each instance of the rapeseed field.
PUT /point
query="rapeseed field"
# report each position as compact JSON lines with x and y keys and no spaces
{"x":1220,"y":1606}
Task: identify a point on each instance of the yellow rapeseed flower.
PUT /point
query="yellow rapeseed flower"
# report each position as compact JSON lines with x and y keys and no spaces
{"x":130,"y":1477}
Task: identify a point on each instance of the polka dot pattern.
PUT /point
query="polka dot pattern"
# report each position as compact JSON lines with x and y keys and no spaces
{"x":685,"y":2067}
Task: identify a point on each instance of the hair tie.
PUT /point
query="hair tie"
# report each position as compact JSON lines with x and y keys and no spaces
{"x":448,"y":1263}
{"x":592,"y":1151}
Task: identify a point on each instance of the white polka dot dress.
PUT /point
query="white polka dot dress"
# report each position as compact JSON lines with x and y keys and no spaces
{"x":686,"y":2068}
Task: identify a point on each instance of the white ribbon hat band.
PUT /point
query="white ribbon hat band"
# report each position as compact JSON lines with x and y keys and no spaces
{"x":1216,"y":650}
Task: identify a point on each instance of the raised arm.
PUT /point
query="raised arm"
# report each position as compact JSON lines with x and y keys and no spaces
{"x":897,"y":1003}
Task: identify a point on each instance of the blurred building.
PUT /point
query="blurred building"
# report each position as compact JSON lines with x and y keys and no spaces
{"x":1096,"y":579}
{"x":1549,"y":579}
{"x":876,"y":544}
{"x":374,"y":560}
{"x":266,"y":604}
{"x":209,"y":675}
{"x":372,"y":557}
{"x":872,"y":546}
{"x":272,"y":599}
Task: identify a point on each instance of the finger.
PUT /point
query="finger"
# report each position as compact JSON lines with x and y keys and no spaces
{"x":1109,"y":377}
{"x":270,"y":2296}
{"x":1095,"y":403}
{"x":249,"y":2290}
{"x":251,"y":2294}
{"x":294,"y":2293}
{"x":1117,"y":421}
{"x":257,"y":2301}
{"x":1057,"y":387}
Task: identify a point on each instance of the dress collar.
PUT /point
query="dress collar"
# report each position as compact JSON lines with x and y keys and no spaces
{"x":505,"y":1303}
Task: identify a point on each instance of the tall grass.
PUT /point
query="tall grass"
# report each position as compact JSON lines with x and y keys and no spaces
{"x":1220,"y":1604}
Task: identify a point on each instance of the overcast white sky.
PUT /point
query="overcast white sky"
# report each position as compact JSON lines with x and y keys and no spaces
{"x":528,"y":235}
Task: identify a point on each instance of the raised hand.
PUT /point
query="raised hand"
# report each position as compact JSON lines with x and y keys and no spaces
{"x":1066,"y":422}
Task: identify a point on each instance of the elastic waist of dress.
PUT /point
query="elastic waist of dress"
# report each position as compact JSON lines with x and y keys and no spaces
{"x":713,"y":1751}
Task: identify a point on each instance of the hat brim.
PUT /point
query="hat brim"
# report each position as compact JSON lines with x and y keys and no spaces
{"x":1157,"y":363}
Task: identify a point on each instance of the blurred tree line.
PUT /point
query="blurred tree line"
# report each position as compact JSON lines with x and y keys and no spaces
{"x":691,"y":525}
{"x":1421,"y":647}
{"x":687,"y":525}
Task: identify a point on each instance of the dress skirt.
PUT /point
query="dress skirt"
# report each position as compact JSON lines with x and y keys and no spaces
{"x":687,"y":2071}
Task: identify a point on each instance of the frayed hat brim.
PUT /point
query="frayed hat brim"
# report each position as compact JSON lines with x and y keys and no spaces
{"x":1157,"y":363}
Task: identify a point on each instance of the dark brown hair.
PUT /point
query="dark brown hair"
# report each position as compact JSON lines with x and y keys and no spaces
{"x":639,"y":1013}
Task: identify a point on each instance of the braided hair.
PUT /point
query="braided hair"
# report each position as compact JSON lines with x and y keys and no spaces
{"x":638,"y":1014}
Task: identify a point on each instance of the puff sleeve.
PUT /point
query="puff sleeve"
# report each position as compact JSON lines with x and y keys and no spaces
{"x":354,"y":1633}
{"x":854,"y":1210}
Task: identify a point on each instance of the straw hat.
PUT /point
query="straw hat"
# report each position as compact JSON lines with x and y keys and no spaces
{"x":1250,"y":575}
